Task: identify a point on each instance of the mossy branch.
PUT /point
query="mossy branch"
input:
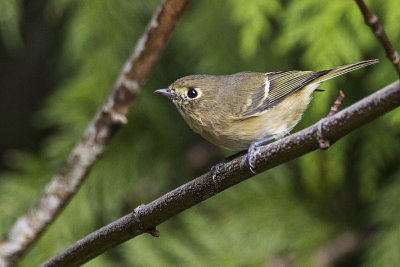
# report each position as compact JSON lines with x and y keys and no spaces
{"x":146,"y":217}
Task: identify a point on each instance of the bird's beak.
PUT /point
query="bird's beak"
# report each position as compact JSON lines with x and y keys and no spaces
{"x":165,"y":91}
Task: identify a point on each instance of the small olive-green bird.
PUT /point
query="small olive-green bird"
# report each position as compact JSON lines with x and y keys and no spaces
{"x":248,"y":109}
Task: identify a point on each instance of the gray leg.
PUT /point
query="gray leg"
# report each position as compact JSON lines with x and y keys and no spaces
{"x":249,"y":159}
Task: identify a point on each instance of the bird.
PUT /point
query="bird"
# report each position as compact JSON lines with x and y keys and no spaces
{"x":245,"y":110}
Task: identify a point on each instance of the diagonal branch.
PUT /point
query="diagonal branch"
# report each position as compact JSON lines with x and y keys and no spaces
{"x":342,"y":246}
{"x":145,"y":218}
{"x":28,"y":228}
{"x":337,"y":250}
{"x":372,"y":20}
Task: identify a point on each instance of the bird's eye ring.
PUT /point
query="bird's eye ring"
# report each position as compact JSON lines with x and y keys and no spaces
{"x":192,"y":93}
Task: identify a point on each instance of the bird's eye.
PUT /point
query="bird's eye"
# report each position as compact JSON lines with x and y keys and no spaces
{"x":192,"y":93}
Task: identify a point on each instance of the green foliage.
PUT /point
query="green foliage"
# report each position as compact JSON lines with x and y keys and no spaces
{"x":9,"y":19}
{"x":288,"y":212}
{"x":253,"y":17}
{"x":385,"y":212}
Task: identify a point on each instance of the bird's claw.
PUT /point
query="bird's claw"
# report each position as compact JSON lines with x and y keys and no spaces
{"x":249,"y":160}
{"x":215,"y":169}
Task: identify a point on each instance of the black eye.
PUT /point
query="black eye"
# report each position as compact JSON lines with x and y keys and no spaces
{"x":192,"y":93}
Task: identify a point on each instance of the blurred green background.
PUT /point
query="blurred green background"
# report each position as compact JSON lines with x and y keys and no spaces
{"x":58,"y":61}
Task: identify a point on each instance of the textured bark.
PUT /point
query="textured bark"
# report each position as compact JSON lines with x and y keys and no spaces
{"x":28,"y":228}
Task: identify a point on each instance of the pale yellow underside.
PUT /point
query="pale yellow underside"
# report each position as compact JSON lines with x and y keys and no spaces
{"x":277,"y":121}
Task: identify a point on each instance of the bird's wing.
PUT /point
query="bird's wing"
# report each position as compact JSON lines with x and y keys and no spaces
{"x":275,"y":87}
{"x":267,"y":90}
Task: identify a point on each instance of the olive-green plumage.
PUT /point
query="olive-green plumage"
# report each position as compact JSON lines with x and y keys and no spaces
{"x":235,"y":111}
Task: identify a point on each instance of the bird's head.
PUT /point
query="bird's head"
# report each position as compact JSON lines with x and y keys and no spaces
{"x":192,"y":94}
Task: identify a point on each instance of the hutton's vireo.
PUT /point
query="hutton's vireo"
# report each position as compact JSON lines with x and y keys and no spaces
{"x":248,"y":109}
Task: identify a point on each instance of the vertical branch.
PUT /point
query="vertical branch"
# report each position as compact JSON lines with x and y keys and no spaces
{"x":28,"y":228}
{"x":372,"y":21}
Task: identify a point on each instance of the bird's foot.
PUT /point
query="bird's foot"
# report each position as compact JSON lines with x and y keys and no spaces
{"x":249,"y":159}
{"x":215,"y":170}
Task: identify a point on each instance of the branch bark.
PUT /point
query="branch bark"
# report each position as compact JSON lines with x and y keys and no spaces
{"x":372,"y":21}
{"x":145,"y":218}
{"x":28,"y":228}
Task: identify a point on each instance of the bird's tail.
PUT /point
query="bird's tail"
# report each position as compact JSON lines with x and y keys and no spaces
{"x":329,"y":74}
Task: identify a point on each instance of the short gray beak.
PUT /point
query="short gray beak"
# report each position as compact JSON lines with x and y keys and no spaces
{"x":165,"y":92}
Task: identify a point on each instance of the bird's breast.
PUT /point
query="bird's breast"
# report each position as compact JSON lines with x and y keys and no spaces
{"x":228,"y":131}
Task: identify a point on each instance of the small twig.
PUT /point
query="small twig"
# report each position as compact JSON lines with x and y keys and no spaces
{"x":29,"y":227}
{"x":372,"y":21}
{"x":336,"y":104}
{"x":323,"y":141}
{"x":148,"y":216}
{"x":154,"y":232}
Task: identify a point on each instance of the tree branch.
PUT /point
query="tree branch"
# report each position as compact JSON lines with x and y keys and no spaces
{"x":323,"y":142}
{"x":344,"y":245}
{"x":145,"y":218}
{"x":336,"y":104}
{"x":337,"y":250}
{"x":28,"y":228}
{"x":372,"y":21}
